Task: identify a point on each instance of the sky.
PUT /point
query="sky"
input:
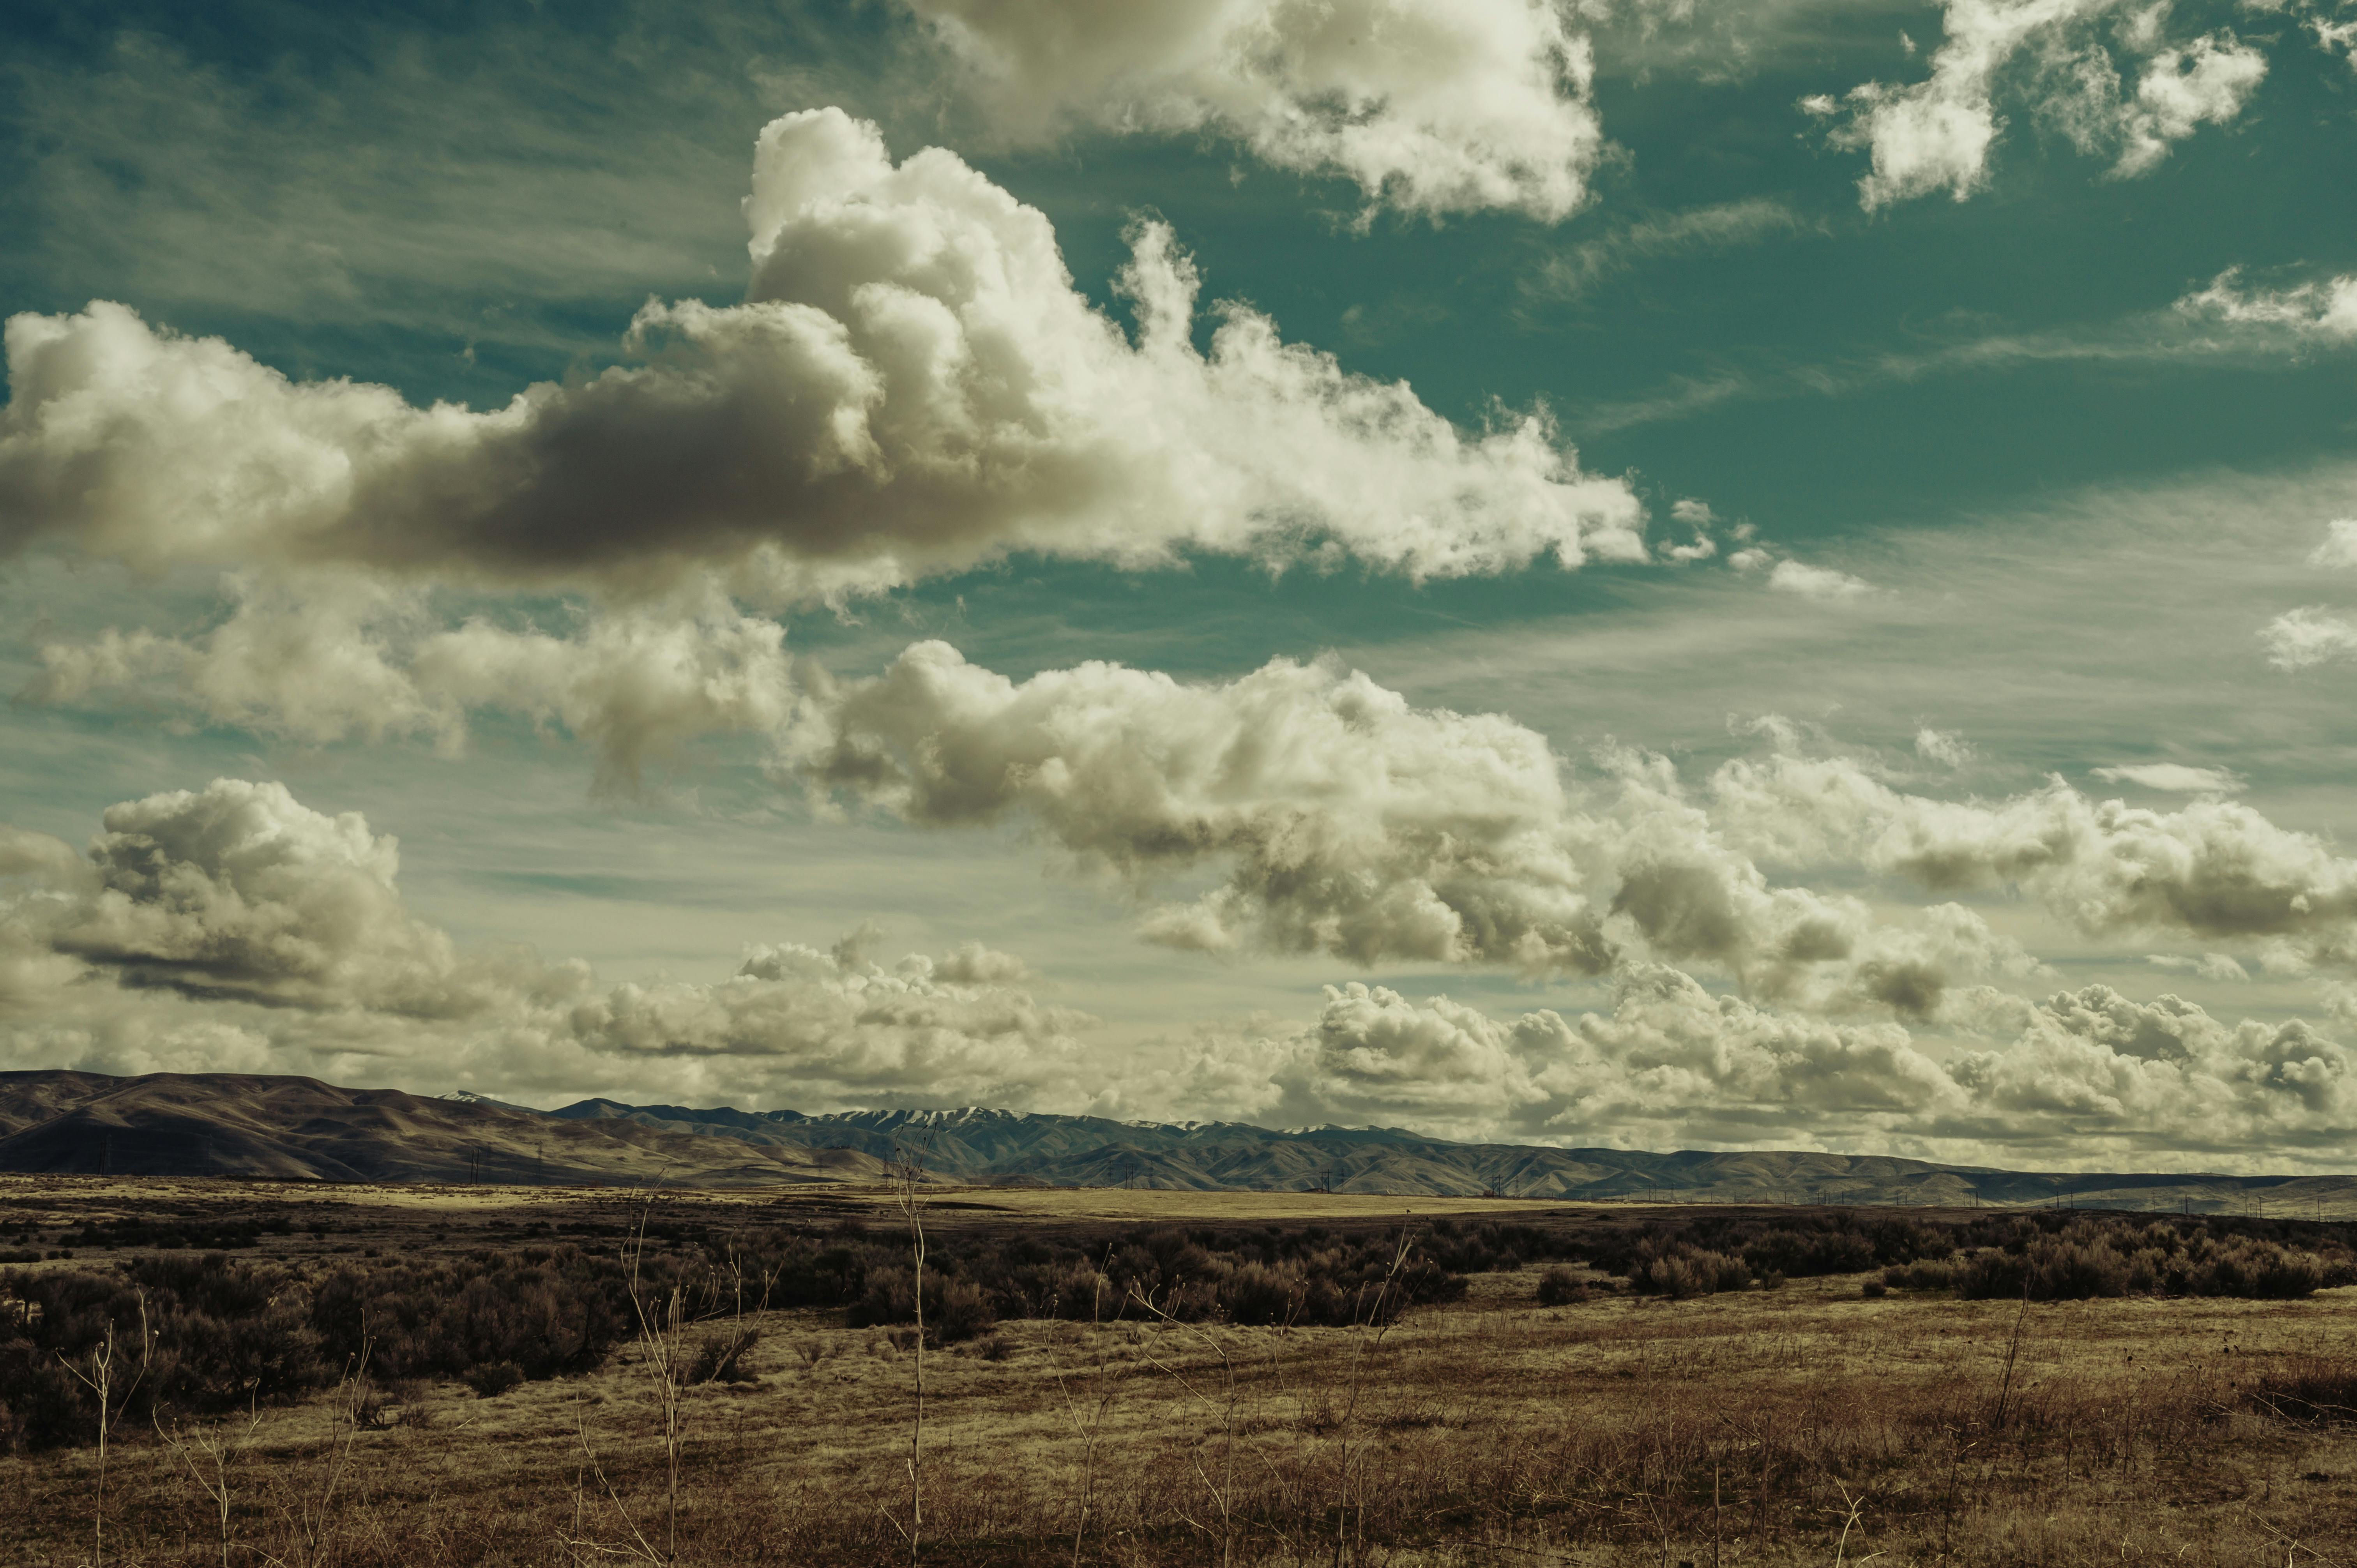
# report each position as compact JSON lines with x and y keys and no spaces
{"x":1620,"y":573}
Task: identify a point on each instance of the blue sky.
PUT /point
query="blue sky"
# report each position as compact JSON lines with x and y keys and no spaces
{"x":1833,"y":507}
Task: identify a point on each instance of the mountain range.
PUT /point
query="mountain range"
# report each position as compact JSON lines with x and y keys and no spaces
{"x":1003,"y":1147}
{"x":300,"y":1129}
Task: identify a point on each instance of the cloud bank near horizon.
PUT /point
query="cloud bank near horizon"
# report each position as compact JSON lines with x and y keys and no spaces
{"x":233,"y":928}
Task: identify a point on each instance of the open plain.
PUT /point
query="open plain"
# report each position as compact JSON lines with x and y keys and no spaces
{"x":1804,"y":1422}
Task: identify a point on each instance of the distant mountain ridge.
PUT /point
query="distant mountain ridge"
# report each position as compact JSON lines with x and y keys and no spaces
{"x":1032,"y":1148}
{"x":300,"y":1129}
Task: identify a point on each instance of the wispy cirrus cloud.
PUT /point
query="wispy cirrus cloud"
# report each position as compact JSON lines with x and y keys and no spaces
{"x":2174,"y":777}
{"x":2323,"y":309}
{"x":2206,"y":327}
{"x":1628,"y":244}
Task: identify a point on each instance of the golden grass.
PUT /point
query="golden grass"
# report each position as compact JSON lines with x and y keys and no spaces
{"x":94,"y":1193}
{"x":1490,"y":1432}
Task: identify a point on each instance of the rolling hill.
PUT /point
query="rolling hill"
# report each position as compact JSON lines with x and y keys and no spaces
{"x":299,"y":1129}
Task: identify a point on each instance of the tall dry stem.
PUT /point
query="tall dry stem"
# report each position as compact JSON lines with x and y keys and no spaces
{"x":906,"y":1173}
{"x":720,"y":1360}
{"x":311,"y":1517}
{"x":1227,"y":1401}
{"x":2012,"y":1356}
{"x":208,"y":1456}
{"x":100,"y":1377}
{"x":1089,"y":1428}
{"x":1857,"y":1507}
{"x":578,"y":1544}
{"x":1376,"y":1316}
{"x":660,"y":1329}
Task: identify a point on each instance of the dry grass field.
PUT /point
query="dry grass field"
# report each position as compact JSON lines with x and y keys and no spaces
{"x":1805,"y":1424}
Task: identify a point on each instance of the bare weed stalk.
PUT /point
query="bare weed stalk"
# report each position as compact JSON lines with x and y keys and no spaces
{"x":311,"y":1517}
{"x":721,"y":1359}
{"x":1377,"y":1315}
{"x":660,"y":1330}
{"x":578,"y":1544}
{"x":663,"y":1353}
{"x":2012,"y":1356}
{"x":100,"y":1376}
{"x":1227,"y":1400}
{"x":906,"y":1173}
{"x":1088,"y":1427}
{"x":1857,"y":1507}
{"x":208,"y":1455}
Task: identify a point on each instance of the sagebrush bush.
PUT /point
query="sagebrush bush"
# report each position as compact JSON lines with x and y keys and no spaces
{"x":955,"y":1309}
{"x":1303,"y":1277}
{"x":550,"y":1310}
{"x":493,"y":1378}
{"x":720,"y":1357}
{"x":2092,"y":1258}
{"x":1799,"y":1246}
{"x":2311,"y":1389}
{"x":1675,"y":1269}
{"x":1560,"y":1286}
{"x":225,"y":1334}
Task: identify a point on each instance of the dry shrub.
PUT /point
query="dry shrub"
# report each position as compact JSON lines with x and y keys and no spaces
{"x":493,"y":1378}
{"x":1677,"y":1270}
{"x":955,"y":1309}
{"x":2311,"y":1390}
{"x":2094,"y":1258}
{"x":1560,"y":1286}
{"x":720,"y":1357}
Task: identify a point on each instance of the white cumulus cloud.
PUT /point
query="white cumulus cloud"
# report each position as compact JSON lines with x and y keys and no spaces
{"x":321,"y":657}
{"x":234,"y":929}
{"x":1430,"y":106}
{"x":1342,"y":820}
{"x":2084,"y":1076}
{"x":2339,"y":549}
{"x":1349,"y":823}
{"x":912,"y":385}
{"x":2209,"y":965}
{"x":1943,"y":747}
{"x":2308,"y":636}
{"x":2102,"y":72}
{"x":2211,"y":868}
